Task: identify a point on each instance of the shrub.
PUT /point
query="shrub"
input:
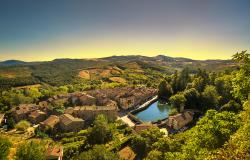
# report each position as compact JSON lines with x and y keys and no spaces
{"x":5,"y":145}
{"x":173,"y":111}
{"x":22,"y":125}
{"x":31,"y":150}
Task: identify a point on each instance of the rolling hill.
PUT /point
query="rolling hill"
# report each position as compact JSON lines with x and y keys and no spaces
{"x":65,"y":71}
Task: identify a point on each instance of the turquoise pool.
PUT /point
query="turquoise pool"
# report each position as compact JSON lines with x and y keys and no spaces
{"x":154,"y":112}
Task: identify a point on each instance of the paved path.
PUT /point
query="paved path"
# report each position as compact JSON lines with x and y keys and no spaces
{"x":128,"y":121}
{"x":146,"y":103}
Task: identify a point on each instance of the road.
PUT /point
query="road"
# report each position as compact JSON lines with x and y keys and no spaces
{"x":128,"y":121}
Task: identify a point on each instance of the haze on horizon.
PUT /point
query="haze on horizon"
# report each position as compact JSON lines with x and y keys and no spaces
{"x":46,"y":30}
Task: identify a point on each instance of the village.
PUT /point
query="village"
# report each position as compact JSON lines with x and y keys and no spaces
{"x":83,"y":107}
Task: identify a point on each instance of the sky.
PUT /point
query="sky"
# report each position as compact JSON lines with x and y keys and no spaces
{"x":48,"y":29}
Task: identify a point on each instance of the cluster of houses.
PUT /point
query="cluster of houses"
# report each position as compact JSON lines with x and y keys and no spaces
{"x":125,"y":97}
{"x":82,"y":107}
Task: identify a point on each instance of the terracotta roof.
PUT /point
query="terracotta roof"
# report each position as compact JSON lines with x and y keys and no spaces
{"x":67,"y":119}
{"x":36,"y":113}
{"x":24,"y":108}
{"x":84,"y":95}
{"x":51,"y":121}
{"x":183,"y":116}
{"x":95,"y":108}
{"x":69,"y":110}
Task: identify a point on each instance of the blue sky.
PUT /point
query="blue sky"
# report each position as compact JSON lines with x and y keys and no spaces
{"x":48,"y":29}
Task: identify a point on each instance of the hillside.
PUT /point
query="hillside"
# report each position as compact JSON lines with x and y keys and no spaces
{"x":65,"y":71}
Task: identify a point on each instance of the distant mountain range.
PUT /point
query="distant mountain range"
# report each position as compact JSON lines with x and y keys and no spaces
{"x":11,"y":63}
{"x":17,"y":62}
{"x":158,"y":58}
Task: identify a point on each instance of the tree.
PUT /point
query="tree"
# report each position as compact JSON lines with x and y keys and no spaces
{"x":31,"y":150}
{"x":5,"y":145}
{"x":223,"y":86}
{"x":238,"y":146}
{"x":33,"y":93}
{"x":180,"y":81}
{"x":155,"y":155}
{"x":10,"y":123}
{"x":101,"y":131}
{"x":204,"y":75}
{"x":210,"y":133}
{"x":192,"y":98}
{"x":242,"y":57}
{"x":231,"y":106}
{"x":139,"y":145}
{"x":210,"y":98}
{"x":152,"y":135}
{"x":63,"y":89}
{"x":199,"y":83}
{"x":99,"y":152}
{"x":212,"y":77}
{"x":184,"y":78}
{"x":165,"y":90}
{"x":174,"y":82}
{"x":178,"y":100}
{"x":241,"y":81}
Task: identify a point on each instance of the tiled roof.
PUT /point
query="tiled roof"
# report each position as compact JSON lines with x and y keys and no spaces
{"x":36,"y":113}
{"x":24,"y":108}
{"x":95,"y":108}
{"x":67,"y":119}
{"x":51,"y":121}
{"x":183,"y":116}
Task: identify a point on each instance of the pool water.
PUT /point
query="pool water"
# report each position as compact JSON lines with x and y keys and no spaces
{"x":154,"y":112}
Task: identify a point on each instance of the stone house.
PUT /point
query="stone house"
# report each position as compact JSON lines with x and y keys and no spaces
{"x":126,"y":102}
{"x":37,"y":116}
{"x":43,"y":104}
{"x":69,"y":123}
{"x":180,"y":120}
{"x":135,"y":97}
{"x":111,"y":104}
{"x":88,"y":113}
{"x":125,"y":97}
{"x":22,"y":111}
{"x":51,"y":124}
{"x":69,"y":110}
{"x":82,"y":99}
{"x":86,"y":100}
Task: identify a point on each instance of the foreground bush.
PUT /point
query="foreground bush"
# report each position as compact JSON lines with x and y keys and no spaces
{"x":5,"y":145}
{"x":22,"y":125}
{"x":31,"y":150}
{"x":99,"y":152}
